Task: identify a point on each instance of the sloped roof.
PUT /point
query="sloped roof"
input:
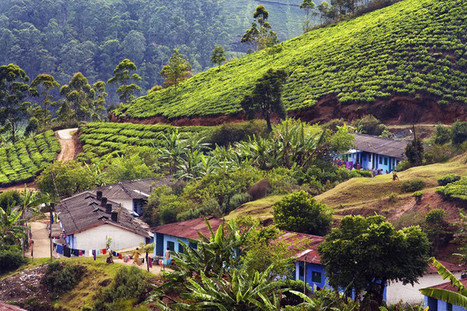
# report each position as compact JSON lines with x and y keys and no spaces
{"x":450,"y":266}
{"x":380,"y":145}
{"x":304,"y":245}
{"x":84,"y":211}
{"x":133,"y":189}
{"x":448,"y":286}
{"x":188,"y":229}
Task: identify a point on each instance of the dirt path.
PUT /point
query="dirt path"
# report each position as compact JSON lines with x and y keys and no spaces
{"x":40,"y":236}
{"x":67,"y":143}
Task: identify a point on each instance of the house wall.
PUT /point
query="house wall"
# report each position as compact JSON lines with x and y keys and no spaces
{"x":370,"y":161}
{"x":439,"y":305}
{"x":311,"y":269}
{"x":96,"y":238}
{"x":397,"y":291}
{"x":126,"y":203}
{"x":167,"y":241}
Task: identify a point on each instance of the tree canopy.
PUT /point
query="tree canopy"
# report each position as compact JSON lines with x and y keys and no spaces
{"x":177,"y":70}
{"x":124,"y":78}
{"x":366,"y":253}
{"x":260,"y":34}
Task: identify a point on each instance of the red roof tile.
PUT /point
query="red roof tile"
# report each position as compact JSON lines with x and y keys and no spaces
{"x":188,"y":229}
{"x":304,"y":245}
{"x":448,"y":286}
{"x":450,"y":266}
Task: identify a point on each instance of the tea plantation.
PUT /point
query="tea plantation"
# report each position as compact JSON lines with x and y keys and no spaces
{"x":103,"y":138}
{"x":410,"y":48}
{"x":25,"y":159}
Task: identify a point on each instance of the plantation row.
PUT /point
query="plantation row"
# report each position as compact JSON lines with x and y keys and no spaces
{"x":25,"y":159}
{"x":104,"y":138}
{"x":412,"y":47}
{"x":456,"y":190}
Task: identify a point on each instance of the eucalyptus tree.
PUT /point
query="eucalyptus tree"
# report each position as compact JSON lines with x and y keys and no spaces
{"x":126,"y":80}
{"x":99,"y":103}
{"x":43,"y":85}
{"x":14,"y":90}
{"x":79,"y":96}
{"x":260,"y":34}
{"x":218,"y":55}
{"x":307,"y":5}
{"x":178,"y":69}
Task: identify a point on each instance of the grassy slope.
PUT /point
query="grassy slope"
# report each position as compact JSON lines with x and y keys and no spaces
{"x":411,"y":47}
{"x":358,"y":194}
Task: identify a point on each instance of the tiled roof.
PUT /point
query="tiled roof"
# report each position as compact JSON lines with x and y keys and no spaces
{"x":450,"y":266}
{"x":448,"y":286}
{"x":188,"y":229}
{"x":304,"y":245}
{"x":133,"y":189}
{"x":380,"y":145}
{"x":84,"y":211}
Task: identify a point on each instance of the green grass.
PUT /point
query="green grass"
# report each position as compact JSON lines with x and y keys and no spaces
{"x":260,"y":209}
{"x":26,"y":159}
{"x":412,"y":47}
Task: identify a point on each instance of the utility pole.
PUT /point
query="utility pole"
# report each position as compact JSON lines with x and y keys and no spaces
{"x":304,"y":276}
{"x":50,"y":230}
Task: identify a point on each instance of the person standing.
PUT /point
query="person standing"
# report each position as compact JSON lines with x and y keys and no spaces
{"x":166,"y":260}
{"x":32,"y":248}
{"x":136,"y":256}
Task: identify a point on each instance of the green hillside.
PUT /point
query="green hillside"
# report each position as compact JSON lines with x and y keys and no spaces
{"x":414,"y":48}
{"x":25,"y":159}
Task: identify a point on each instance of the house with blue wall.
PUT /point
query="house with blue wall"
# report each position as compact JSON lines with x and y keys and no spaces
{"x":434,"y":304}
{"x":375,"y":153}
{"x":165,"y":236}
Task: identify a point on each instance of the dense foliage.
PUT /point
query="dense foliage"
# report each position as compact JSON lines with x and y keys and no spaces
{"x":299,"y":212}
{"x":25,"y":159}
{"x":409,"y":53}
{"x":365,"y":253}
{"x":61,"y":278}
{"x":64,"y":37}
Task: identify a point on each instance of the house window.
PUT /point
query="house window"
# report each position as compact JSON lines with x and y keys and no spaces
{"x":171,"y":246}
{"x":193,"y":245}
{"x":316,"y":277}
{"x":385,"y":161}
{"x":301,"y":269}
{"x":448,"y":307}
{"x":380,"y":160}
{"x":180,"y":248}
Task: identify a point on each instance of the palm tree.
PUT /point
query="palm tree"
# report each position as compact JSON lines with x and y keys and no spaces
{"x":11,"y":224}
{"x":458,"y":298}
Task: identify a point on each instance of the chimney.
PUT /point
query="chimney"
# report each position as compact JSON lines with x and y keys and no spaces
{"x":108,"y":208}
{"x":104,"y":201}
{"x":99,"y":195}
{"x":115,"y":216}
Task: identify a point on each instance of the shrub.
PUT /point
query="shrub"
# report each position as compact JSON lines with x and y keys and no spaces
{"x":235,"y":201}
{"x":299,"y":212}
{"x":418,"y":196}
{"x":393,"y":197}
{"x":129,"y":284}
{"x":61,"y":278}
{"x":228,"y":133}
{"x":412,"y":185}
{"x":447,"y":179}
{"x":459,"y":132}
{"x":370,"y":125}
{"x":442,"y":135}
{"x":10,"y":259}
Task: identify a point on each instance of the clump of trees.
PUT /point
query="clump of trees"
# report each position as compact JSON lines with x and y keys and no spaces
{"x":260,"y":34}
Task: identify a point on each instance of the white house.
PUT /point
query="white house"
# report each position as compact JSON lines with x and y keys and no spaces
{"x":88,"y":221}
{"x":132,"y":194}
{"x":396,"y":291}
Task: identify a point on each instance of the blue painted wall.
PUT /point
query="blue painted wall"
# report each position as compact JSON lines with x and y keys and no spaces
{"x":163,"y":241}
{"x":439,"y":305}
{"x":370,"y":161}
{"x":312,"y":270}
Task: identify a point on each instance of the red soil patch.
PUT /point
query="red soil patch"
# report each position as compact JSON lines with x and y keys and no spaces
{"x":395,"y":110}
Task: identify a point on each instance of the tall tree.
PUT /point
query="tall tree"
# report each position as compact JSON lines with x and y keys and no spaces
{"x":79,"y":96}
{"x":307,"y":5}
{"x":13,"y":93}
{"x":123,"y":77}
{"x":366,"y":253}
{"x":260,"y":34}
{"x":218,"y":55}
{"x":177,"y":70}
{"x":99,"y":104}
{"x":266,"y":97}
{"x":43,"y":84}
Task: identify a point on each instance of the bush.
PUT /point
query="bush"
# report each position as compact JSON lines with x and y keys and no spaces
{"x":235,"y":201}
{"x":10,"y":259}
{"x":412,"y":185}
{"x":442,"y":135}
{"x":370,"y":125}
{"x":129,"y":284}
{"x":228,"y":133}
{"x":61,"y":278}
{"x":299,"y":212}
{"x":459,"y":132}
{"x":449,"y":178}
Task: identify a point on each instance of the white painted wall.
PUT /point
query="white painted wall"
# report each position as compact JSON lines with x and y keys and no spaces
{"x":128,"y":204}
{"x":95,"y":238}
{"x":411,"y":294}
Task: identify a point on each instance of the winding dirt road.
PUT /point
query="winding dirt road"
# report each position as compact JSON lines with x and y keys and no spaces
{"x":67,"y":143}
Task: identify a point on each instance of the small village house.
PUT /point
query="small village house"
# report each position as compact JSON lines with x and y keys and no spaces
{"x":375,"y":153}
{"x":132,"y":194}
{"x":434,"y":304}
{"x":87,"y":221}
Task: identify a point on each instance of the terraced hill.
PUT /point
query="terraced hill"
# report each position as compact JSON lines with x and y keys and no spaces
{"x":403,"y":63}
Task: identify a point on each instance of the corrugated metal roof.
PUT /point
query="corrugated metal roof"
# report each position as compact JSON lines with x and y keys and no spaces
{"x":380,"y":145}
{"x":304,"y":245}
{"x":188,"y":229}
{"x":84,"y":211}
{"x":448,"y":286}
